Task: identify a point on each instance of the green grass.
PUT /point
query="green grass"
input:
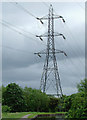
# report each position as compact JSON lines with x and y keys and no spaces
{"x":33,"y":114}
{"x":14,"y":115}
{"x":21,"y":114}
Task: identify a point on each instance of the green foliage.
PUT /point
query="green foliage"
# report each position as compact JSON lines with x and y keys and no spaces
{"x":3,"y":90}
{"x":0,"y":94}
{"x":79,"y":102}
{"x":13,"y":97}
{"x":77,"y":106}
{"x":64,"y":103}
{"x":67,"y":103}
{"x":5,"y":108}
{"x":53,"y":104}
{"x":35,"y":100}
{"x":82,"y":86}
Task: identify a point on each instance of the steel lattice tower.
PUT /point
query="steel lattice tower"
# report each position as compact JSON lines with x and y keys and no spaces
{"x":50,"y":75}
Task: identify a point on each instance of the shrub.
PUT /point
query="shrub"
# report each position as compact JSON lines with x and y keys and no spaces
{"x":13,"y":97}
{"x":5,"y":108}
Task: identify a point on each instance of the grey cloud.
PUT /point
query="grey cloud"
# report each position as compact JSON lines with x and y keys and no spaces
{"x":20,"y":65}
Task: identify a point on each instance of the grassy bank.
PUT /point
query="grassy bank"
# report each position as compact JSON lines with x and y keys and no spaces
{"x":33,"y":114}
{"x":21,"y":114}
{"x":14,"y":115}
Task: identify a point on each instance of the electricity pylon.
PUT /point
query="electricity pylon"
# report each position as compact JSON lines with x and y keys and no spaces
{"x":50,"y":75}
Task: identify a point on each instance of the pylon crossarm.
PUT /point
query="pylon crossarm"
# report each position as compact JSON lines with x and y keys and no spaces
{"x":62,"y":36}
{"x":46,"y":18}
{"x":59,"y":51}
{"x":43,"y":18}
{"x":46,"y":35}
{"x":39,"y":53}
{"x":59,"y":34}
{"x":57,"y":16}
{"x":39,"y":37}
{"x":40,"y":20}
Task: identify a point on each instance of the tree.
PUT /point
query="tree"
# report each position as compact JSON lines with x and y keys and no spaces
{"x":65,"y":103}
{"x":53,"y":104}
{"x":3,"y":90}
{"x":82,"y":86}
{"x":13,"y":98}
{"x":35,"y":100}
{"x":0,"y":94}
{"x":79,"y":102}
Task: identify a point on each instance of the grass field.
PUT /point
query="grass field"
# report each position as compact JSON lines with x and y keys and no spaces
{"x":21,"y":114}
{"x":14,"y":115}
{"x":33,"y":114}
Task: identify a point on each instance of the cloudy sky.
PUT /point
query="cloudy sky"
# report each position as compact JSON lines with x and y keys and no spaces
{"x":19,"y":27}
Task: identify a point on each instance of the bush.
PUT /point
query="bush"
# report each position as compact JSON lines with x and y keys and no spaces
{"x":53,"y":104}
{"x":5,"y":108}
{"x":13,"y":97}
{"x":36,"y":101}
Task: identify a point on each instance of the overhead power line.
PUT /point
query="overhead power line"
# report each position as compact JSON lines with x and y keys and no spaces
{"x":45,"y":4}
{"x":24,"y":9}
{"x":69,"y":32}
{"x":8,"y":47}
{"x":15,"y":30}
{"x":20,"y":31}
{"x":16,"y":27}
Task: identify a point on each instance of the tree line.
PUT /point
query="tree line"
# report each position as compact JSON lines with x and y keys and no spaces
{"x":27,"y":99}
{"x":17,"y":99}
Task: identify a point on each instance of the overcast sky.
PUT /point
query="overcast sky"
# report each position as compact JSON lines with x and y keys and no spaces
{"x":19,"y":63}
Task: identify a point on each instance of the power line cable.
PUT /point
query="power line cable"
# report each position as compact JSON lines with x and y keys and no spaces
{"x":69,"y":31}
{"x":70,"y":59}
{"x":8,"y":47}
{"x":71,"y":35}
{"x":45,"y":3}
{"x":71,"y":47}
{"x":28,"y":11}
{"x":70,"y":44}
{"x":20,"y":6}
{"x":16,"y":29}
{"x":71,"y":53}
{"x":55,"y":12}
{"x":78,"y":3}
{"x":21,"y":33}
